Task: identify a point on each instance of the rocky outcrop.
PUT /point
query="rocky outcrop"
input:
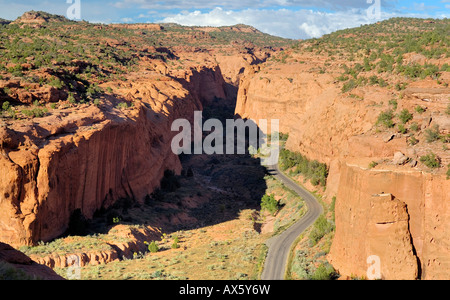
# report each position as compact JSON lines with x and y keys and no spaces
{"x":14,"y":265}
{"x":123,"y":242}
{"x":397,"y":214}
{"x":39,"y":17}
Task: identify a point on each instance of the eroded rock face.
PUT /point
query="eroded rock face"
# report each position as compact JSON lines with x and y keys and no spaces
{"x":88,"y":158}
{"x":407,"y":229}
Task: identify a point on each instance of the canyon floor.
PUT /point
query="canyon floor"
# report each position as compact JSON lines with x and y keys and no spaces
{"x":208,"y":224}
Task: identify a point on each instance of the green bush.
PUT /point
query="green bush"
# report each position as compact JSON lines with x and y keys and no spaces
{"x":402,"y":129}
{"x":348,"y":86}
{"x":405,"y":116}
{"x":373,"y":164}
{"x":153,"y":247}
{"x":385,"y":119}
{"x":35,"y":112}
{"x":321,"y":227}
{"x":57,"y":83}
{"x":394,"y":103}
{"x":432,"y":134}
{"x":413,"y":141}
{"x":430,"y":160}
{"x":6,"y":105}
{"x":414,"y":127}
{"x":316,"y":172}
{"x":175,"y":243}
{"x":270,"y":204}
{"x":122,"y":105}
{"x":419,"y":109}
{"x":324,"y":272}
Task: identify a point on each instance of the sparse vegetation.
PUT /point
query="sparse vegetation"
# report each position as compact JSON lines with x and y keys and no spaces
{"x":385,"y":119}
{"x":153,"y":247}
{"x":413,"y":141}
{"x":432,"y":134}
{"x":315,"y":171}
{"x":419,"y":109}
{"x":431,"y":160}
{"x":373,"y":164}
{"x":269,"y":203}
{"x":321,"y":227}
{"x":405,"y":116}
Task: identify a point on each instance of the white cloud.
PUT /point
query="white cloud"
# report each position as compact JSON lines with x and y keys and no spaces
{"x":240,"y":4}
{"x":282,"y":22}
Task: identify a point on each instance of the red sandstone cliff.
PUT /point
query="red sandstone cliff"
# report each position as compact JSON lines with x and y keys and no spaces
{"x":408,"y":227}
{"x":88,"y":157}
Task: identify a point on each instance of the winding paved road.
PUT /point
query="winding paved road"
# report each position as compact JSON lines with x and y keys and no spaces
{"x":279,"y":246}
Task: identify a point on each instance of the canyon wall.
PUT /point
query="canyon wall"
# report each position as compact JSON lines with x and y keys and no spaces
{"x":88,"y":157}
{"x":397,"y":214}
{"x":396,"y":210}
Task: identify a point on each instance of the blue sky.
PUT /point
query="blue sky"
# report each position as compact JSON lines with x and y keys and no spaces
{"x":298,"y":19}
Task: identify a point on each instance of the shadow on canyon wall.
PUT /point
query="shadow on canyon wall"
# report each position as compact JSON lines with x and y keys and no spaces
{"x":211,"y":189}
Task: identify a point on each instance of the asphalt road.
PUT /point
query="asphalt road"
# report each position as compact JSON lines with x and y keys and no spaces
{"x":279,"y":246}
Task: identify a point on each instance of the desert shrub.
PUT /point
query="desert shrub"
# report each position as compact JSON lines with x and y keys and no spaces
{"x":400,"y":86}
{"x":405,"y":116}
{"x":175,"y":243}
{"x":414,"y":127}
{"x":315,"y":171}
{"x":373,"y":164}
{"x":394,"y":103}
{"x":402,"y":129}
{"x":430,"y":160}
{"x":6,"y":105}
{"x":432,"y":134}
{"x":320,"y":228}
{"x":349,"y":85}
{"x":324,"y":272}
{"x":374,"y":80}
{"x":385,"y":119}
{"x":35,"y":112}
{"x":413,"y":141}
{"x":57,"y":83}
{"x":153,"y":247}
{"x":269,"y":203}
{"x":71,"y":98}
{"x":419,"y":109}
{"x":122,"y":105}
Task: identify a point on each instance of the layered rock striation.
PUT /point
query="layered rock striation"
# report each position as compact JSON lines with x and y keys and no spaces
{"x":389,"y":204}
{"x":86,"y":159}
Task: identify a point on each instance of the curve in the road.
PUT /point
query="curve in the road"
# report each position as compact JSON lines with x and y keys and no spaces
{"x":280,"y":245}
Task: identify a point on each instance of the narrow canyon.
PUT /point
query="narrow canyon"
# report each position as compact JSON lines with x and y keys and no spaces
{"x":83,"y":157}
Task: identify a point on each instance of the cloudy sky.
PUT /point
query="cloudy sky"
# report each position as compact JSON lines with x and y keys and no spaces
{"x":297,"y":19}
